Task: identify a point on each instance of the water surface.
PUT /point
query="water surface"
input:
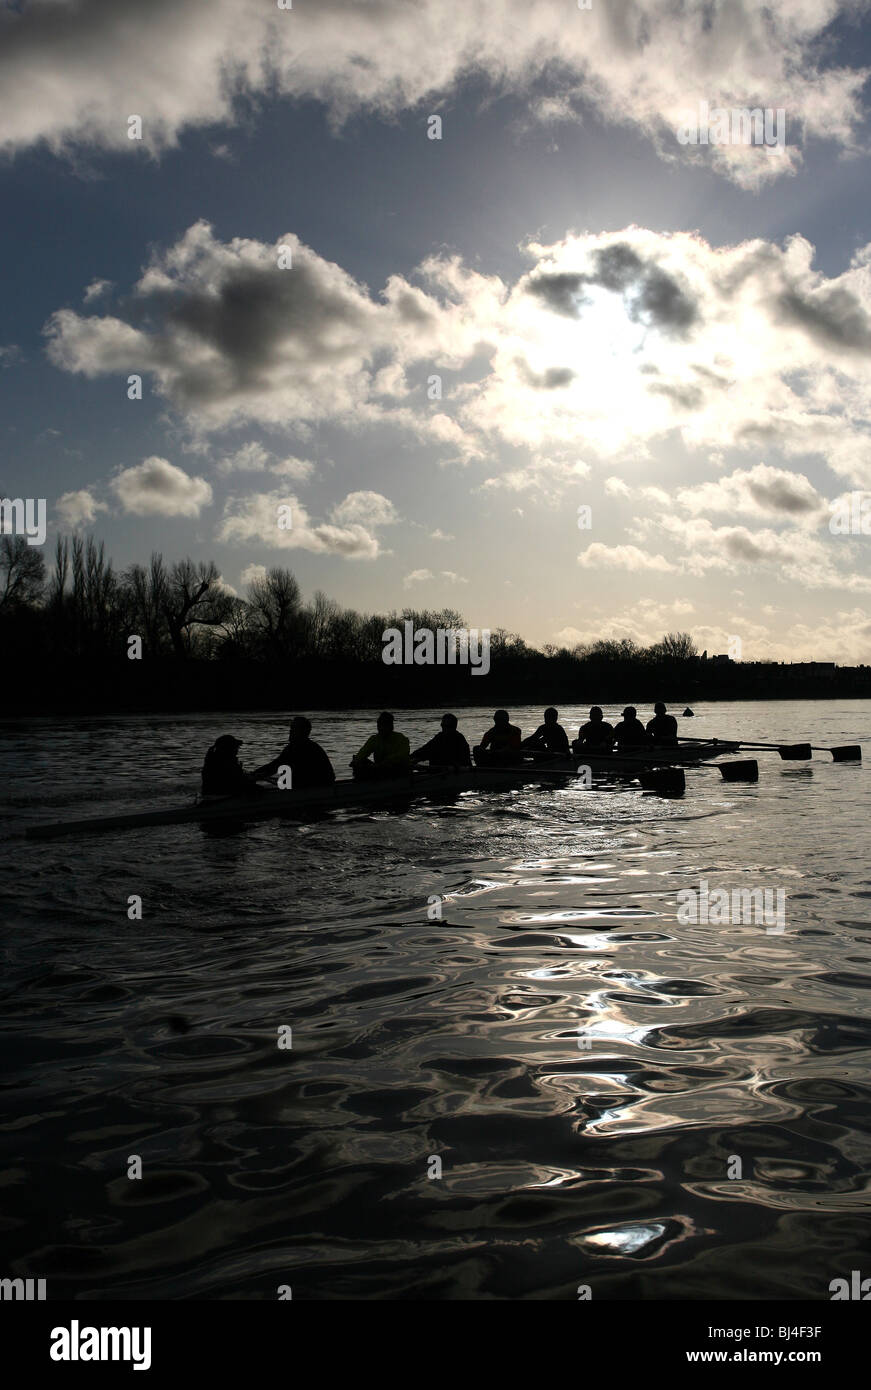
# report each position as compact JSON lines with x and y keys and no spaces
{"x":500,"y":983}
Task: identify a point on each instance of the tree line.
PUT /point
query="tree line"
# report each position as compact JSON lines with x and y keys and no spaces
{"x":205,"y":647}
{"x":84,"y":608}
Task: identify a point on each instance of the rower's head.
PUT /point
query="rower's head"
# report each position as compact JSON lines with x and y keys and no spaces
{"x":630,"y":712}
{"x":551,"y":715}
{"x":596,"y":715}
{"x":449,"y":723}
{"x":659,"y":707}
{"x":226,"y":746}
{"x":385,"y":723}
{"x":500,"y":717}
{"x":300,"y":727}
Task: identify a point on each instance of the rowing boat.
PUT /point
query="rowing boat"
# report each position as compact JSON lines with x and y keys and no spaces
{"x":263,"y":804}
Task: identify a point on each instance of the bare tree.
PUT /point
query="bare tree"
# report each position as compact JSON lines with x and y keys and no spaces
{"x":22,"y":572}
{"x":193,"y":597}
{"x":276,"y":613}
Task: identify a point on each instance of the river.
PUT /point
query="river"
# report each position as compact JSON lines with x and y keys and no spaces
{"x":516,"y":1071}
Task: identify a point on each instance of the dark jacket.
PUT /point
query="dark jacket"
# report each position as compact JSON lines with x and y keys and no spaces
{"x":599,"y":735}
{"x":553,"y":737}
{"x":223,"y":775}
{"x":308,"y":763}
{"x":630,"y":733}
{"x":446,"y":749}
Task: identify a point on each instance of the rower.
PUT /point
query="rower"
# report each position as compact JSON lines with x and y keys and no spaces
{"x":550,"y":735}
{"x":662,"y":728}
{"x":598,"y":734}
{"x":391,"y":753}
{"x":501,"y":743}
{"x":222,"y":773}
{"x":630,"y":732}
{"x":308,"y":763}
{"x":447,"y":749}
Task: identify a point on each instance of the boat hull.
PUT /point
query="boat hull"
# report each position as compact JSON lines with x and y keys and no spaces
{"x":290,"y":803}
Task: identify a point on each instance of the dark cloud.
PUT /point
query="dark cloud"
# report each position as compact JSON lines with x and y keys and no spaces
{"x":687,"y":397}
{"x":740,"y":546}
{"x":834,"y":318}
{"x":552,"y":379}
{"x":783,"y":494}
{"x":653,"y":296}
{"x":561,"y":292}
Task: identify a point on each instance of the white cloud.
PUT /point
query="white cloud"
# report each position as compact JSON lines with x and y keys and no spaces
{"x":615,"y":487}
{"x":742,"y":348}
{"x":622,"y":557}
{"x":439,"y":535}
{"x":762,"y":491}
{"x":257,"y":517}
{"x":96,"y":289}
{"x":417,"y":577}
{"x":73,"y":73}
{"x":254,"y":458}
{"x":75,"y":509}
{"x":366,"y":508}
{"x":157,"y":487}
{"x":252,"y":572}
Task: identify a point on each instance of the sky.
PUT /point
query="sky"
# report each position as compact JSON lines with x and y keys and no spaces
{"x":451,"y":283}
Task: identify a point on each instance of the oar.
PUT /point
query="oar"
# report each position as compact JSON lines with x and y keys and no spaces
{"x":672,"y":779}
{"x":848,"y":753}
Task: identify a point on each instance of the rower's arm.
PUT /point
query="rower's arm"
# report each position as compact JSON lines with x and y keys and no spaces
{"x":260,"y":774}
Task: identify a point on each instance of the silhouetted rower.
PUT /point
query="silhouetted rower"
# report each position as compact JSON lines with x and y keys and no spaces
{"x":447,"y":749}
{"x":390,"y":752}
{"x":662,"y":728}
{"x":222,"y":773}
{"x":308,"y":763}
{"x":630,"y":732}
{"x":550,"y":735}
{"x":501,"y":743}
{"x":597,"y":735}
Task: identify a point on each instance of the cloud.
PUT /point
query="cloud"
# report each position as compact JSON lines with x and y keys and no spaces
{"x":252,"y":572}
{"x":438,"y":535}
{"x":75,"y":509}
{"x":615,"y":487}
{"x":417,"y":577}
{"x":668,"y":340}
{"x":622,"y":557}
{"x":157,"y":487}
{"x":366,"y":508}
{"x":10,"y":354}
{"x":96,"y":289}
{"x":72,"y":74}
{"x":652,"y":295}
{"x":258,"y":518}
{"x":254,"y":458}
{"x":759,"y":491}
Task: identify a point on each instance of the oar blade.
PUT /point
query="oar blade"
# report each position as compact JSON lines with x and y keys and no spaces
{"x":797,"y":752}
{"x":666,"y":781}
{"x":745,"y":771}
{"x":850,"y":753}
